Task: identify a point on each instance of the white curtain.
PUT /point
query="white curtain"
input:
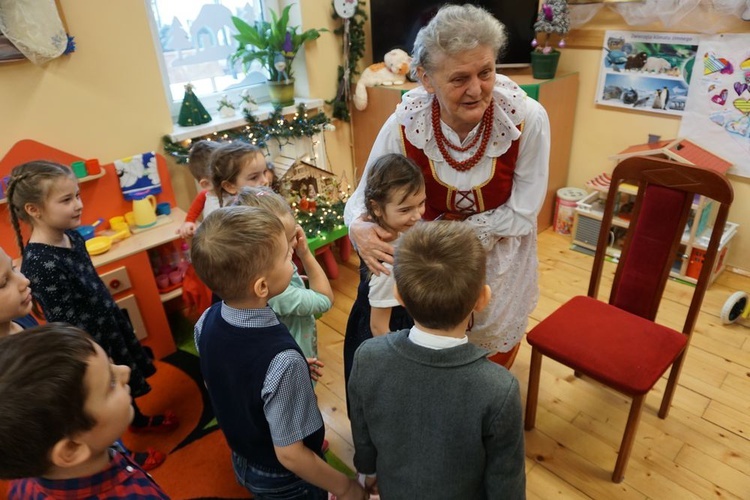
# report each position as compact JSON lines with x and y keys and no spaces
{"x":698,"y":16}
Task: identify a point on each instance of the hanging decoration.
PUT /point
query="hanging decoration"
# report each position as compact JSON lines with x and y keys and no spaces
{"x":192,"y":111}
{"x":698,"y":16}
{"x":353,"y":32}
{"x":34,"y":28}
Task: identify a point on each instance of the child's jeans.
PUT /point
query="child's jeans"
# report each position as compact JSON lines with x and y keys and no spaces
{"x":274,"y":485}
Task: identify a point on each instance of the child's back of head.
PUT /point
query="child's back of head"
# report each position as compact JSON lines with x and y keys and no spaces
{"x":439,"y":268}
{"x":42,"y":395}
{"x":263,"y":197}
{"x":233,"y":246}
{"x":198,"y":159}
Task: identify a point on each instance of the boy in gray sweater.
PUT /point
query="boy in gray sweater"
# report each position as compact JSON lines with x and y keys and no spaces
{"x":431,"y":416}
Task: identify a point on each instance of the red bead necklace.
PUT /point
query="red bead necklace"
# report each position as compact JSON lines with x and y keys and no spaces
{"x":485,"y":131}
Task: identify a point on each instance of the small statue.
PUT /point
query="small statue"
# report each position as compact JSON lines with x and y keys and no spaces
{"x":248,"y":103}
{"x":226,"y":108}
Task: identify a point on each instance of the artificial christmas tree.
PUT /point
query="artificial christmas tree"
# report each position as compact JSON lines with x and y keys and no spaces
{"x":192,"y":111}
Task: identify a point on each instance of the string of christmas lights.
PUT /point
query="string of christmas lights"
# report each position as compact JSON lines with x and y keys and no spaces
{"x":317,"y":216}
{"x":257,"y":132}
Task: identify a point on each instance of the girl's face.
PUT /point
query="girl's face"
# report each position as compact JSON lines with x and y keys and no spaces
{"x":252,"y":174}
{"x":62,"y":208}
{"x":402,"y":210}
{"x":15,"y":294}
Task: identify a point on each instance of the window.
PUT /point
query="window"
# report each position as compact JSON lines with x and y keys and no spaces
{"x":194,"y":39}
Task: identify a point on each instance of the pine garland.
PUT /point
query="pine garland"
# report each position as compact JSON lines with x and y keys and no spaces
{"x":323,"y":218}
{"x":340,"y":103}
{"x":320,"y":216}
{"x":257,"y":132}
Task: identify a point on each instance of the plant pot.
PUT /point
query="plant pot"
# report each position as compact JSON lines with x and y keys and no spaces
{"x":281,"y":93}
{"x":544,"y":66}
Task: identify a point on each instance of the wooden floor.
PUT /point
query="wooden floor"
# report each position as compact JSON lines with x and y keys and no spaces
{"x":701,"y":450}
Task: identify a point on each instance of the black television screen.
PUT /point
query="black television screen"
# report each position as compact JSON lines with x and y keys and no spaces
{"x":395,"y":24}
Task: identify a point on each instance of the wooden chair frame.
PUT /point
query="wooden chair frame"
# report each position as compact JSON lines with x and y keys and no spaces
{"x":644,"y":172}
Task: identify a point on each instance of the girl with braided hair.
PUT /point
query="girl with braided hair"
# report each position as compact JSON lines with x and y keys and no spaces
{"x":395,"y":201}
{"x":64,"y":282}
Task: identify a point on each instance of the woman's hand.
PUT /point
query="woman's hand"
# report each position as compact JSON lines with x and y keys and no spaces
{"x":372,"y":244}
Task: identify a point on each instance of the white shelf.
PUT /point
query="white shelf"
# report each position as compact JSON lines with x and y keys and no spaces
{"x":219,"y":124}
{"x":172,"y":294}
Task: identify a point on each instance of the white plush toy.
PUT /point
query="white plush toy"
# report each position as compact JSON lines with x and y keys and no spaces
{"x":746,"y":12}
{"x":390,"y":72}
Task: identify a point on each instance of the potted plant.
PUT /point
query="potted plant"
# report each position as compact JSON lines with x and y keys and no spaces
{"x":553,"y":18}
{"x":274,"y":44}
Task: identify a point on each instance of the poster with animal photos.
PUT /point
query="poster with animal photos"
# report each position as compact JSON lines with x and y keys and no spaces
{"x":717,"y":116}
{"x":646,"y":71}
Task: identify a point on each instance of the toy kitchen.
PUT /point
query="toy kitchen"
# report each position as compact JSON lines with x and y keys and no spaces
{"x":129,"y":222}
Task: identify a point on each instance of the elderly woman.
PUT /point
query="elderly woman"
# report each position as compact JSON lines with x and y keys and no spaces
{"x":483,"y":146}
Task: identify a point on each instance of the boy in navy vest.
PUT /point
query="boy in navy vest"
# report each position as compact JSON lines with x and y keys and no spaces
{"x":257,"y":377}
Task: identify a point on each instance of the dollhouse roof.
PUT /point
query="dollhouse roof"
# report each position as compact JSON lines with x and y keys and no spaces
{"x":296,"y":168}
{"x":680,"y":150}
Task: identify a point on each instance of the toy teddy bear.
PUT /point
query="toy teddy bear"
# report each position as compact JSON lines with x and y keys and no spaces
{"x":390,"y":72}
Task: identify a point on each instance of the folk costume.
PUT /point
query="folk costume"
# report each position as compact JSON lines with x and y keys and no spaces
{"x":495,"y":180}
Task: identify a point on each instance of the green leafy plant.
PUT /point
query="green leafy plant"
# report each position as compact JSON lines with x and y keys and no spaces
{"x":274,"y":44}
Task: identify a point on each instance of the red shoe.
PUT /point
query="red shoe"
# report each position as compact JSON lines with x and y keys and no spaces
{"x":169,"y":422}
{"x":148,"y":460}
{"x":324,"y":448}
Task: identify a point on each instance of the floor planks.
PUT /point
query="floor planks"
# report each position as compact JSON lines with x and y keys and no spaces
{"x":701,"y":450}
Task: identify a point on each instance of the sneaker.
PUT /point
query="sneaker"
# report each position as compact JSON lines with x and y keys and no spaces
{"x":149,"y":459}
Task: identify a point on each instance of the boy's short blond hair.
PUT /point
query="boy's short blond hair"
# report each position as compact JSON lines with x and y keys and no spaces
{"x":233,"y":246}
{"x":198,"y":159}
{"x":439,"y":268}
{"x":263,"y":197}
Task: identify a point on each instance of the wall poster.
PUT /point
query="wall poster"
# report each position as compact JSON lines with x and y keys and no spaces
{"x":646,"y":71}
{"x":718,"y":111}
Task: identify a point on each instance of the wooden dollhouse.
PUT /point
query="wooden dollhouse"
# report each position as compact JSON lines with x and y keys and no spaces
{"x":688,"y":263}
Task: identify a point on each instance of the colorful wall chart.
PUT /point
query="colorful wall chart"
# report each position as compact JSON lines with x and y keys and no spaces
{"x":717,"y":115}
{"x":646,"y":71}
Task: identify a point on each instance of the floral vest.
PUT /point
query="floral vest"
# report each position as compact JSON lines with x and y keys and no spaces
{"x":443,"y":200}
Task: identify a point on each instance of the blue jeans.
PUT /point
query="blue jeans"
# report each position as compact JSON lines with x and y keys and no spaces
{"x":274,"y":485}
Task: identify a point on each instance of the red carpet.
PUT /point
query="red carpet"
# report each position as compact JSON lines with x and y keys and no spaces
{"x":198,"y":464}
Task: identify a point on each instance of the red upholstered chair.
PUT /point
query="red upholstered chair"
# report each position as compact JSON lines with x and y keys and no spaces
{"x":618,"y":343}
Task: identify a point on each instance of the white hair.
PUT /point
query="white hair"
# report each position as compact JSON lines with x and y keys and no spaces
{"x":455,"y":29}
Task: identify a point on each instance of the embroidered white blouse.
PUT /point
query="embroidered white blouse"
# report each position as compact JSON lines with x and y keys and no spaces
{"x":507,"y":232}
